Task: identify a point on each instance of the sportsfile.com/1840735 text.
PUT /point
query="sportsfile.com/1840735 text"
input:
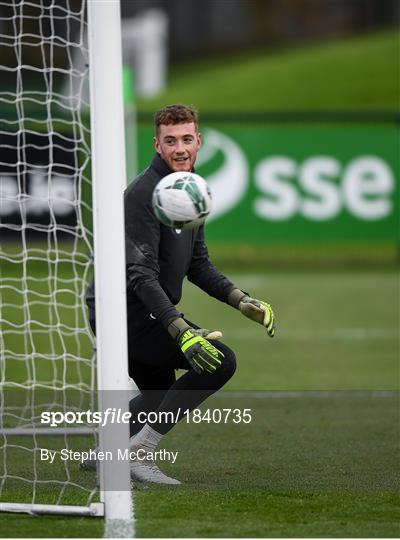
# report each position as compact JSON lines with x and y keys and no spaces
{"x":117,"y":416}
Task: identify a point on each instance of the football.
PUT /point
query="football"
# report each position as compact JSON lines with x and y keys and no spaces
{"x":182,"y":200}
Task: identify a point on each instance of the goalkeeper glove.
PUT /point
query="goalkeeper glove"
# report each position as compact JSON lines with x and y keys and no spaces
{"x":258,"y":311}
{"x":199,"y":352}
{"x":253,"y":309}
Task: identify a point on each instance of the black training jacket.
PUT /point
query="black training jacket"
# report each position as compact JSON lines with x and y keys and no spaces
{"x":158,"y":258}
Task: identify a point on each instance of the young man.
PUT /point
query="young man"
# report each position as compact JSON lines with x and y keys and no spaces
{"x":158,"y":258}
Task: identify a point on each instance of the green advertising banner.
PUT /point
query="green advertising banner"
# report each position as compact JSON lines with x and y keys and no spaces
{"x":290,"y":183}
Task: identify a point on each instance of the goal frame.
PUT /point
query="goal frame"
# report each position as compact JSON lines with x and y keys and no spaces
{"x":109,"y":181}
{"x":108,"y":184}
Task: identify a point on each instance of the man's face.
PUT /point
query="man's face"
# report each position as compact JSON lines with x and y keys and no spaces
{"x":178,"y":145}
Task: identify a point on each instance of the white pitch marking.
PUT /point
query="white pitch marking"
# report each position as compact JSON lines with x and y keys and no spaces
{"x":268,"y":394}
{"x":343,"y":334}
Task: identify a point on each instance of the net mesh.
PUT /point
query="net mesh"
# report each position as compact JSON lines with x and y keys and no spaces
{"x":47,"y":351}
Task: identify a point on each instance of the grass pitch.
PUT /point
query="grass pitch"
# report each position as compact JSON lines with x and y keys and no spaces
{"x":355,"y":73}
{"x":320,"y":457}
{"x":306,"y":466}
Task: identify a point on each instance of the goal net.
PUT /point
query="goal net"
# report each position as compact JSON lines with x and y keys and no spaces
{"x":47,"y":360}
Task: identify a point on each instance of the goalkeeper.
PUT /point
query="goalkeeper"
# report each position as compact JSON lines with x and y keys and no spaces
{"x":160,"y":339}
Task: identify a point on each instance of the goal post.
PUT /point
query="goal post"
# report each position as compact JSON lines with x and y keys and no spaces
{"x":109,"y":181}
{"x":62,"y":176}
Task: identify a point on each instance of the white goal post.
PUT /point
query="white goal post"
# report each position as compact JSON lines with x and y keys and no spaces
{"x":61,"y":203}
{"x":109,"y":180}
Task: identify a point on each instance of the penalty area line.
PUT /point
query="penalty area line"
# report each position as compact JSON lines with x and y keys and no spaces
{"x":272,"y":394}
{"x":340,"y":334}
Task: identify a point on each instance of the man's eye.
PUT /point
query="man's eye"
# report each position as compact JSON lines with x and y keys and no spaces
{"x":188,"y":140}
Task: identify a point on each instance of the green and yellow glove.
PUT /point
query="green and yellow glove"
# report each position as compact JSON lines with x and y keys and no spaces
{"x":199,"y":352}
{"x":256,"y":310}
{"x":201,"y":355}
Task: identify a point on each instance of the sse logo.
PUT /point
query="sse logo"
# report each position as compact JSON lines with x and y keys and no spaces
{"x":320,"y":188}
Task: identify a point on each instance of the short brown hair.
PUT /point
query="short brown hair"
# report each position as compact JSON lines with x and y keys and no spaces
{"x":175,"y":114}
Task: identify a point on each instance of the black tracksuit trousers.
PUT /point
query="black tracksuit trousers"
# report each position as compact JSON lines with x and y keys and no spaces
{"x":153,"y":358}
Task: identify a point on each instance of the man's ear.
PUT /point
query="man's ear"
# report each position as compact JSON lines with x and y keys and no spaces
{"x":156,"y":144}
{"x":199,"y":139}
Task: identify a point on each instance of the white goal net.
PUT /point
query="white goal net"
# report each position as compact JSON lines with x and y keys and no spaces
{"x":47,"y":350}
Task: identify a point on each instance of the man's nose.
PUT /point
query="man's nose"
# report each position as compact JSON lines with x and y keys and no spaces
{"x":179,"y":147}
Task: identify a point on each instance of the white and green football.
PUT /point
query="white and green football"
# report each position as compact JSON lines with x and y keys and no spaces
{"x":182,"y":200}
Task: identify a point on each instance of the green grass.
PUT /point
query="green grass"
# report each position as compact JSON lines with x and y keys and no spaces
{"x":304,"y":467}
{"x":355,"y":73}
{"x":336,"y":330}
{"x":246,"y":515}
{"x":324,"y":466}
{"x":335,"y":256}
{"x":319,"y":464}
{"x":21,"y":526}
